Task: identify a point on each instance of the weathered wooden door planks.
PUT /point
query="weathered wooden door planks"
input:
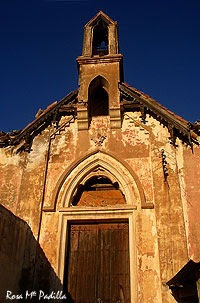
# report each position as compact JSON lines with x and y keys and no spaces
{"x":98,"y":263}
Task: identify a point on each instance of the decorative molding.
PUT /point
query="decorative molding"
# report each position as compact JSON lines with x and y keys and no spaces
{"x":98,"y":139}
{"x":48,"y":116}
{"x":82,"y":118}
{"x":96,"y":59}
{"x":93,"y":210}
{"x":118,"y":168}
{"x":178,"y":127}
{"x":115,"y":118}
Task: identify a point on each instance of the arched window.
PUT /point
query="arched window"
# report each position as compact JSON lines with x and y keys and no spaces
{"x":98,"y":100}
{"x":100,"y":39}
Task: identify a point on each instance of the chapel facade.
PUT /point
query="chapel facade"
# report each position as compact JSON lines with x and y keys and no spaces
{"x":100,"y":193}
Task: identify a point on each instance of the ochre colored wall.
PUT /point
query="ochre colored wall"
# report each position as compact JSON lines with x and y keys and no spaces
{"x":166,"y":235}
{"x":192,"y":195}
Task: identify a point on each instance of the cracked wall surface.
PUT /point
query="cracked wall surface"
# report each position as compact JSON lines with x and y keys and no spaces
{"x":166,"y":234}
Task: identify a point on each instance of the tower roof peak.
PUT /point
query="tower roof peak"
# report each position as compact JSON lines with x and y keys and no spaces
{"x":103,"y":16}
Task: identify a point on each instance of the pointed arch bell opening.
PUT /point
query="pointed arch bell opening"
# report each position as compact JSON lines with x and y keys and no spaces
{"x":98,"y":97}
{"x":100,"y":38}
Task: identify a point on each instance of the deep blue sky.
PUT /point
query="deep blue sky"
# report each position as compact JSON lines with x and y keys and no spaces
{"x":40,"y":40}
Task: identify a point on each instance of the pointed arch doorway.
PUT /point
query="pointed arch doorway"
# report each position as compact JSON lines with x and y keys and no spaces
{"x":79,"y":207}
{"x":97,"y":266}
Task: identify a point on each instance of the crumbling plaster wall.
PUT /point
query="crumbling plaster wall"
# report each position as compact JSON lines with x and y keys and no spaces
{"x":28,"y":180}
{"x":162,"y":227}
{"x":191,"y":191}
{"x":11,"y":168}
{"x":22,"y":181}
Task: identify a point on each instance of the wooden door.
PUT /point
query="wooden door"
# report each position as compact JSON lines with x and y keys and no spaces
{"x":98,"y":263}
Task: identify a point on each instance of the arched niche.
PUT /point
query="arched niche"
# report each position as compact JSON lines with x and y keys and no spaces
{"x":94,"y":165}
{"x":98,"y":97}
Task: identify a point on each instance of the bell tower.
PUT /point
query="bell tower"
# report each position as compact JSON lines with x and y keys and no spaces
{"x":100,"y":71}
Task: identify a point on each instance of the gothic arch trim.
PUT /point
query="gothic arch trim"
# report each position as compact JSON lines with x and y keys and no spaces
{"x":134,"y":181}
{"x":102,"y":167}
{"x":102,"y":78}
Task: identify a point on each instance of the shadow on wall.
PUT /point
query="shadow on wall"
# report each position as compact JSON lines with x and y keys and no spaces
{"x":184,"y":284}
{"x":24,"y":267}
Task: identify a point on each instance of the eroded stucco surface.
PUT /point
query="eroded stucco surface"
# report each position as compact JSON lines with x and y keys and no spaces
{"x":164,"y":234}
